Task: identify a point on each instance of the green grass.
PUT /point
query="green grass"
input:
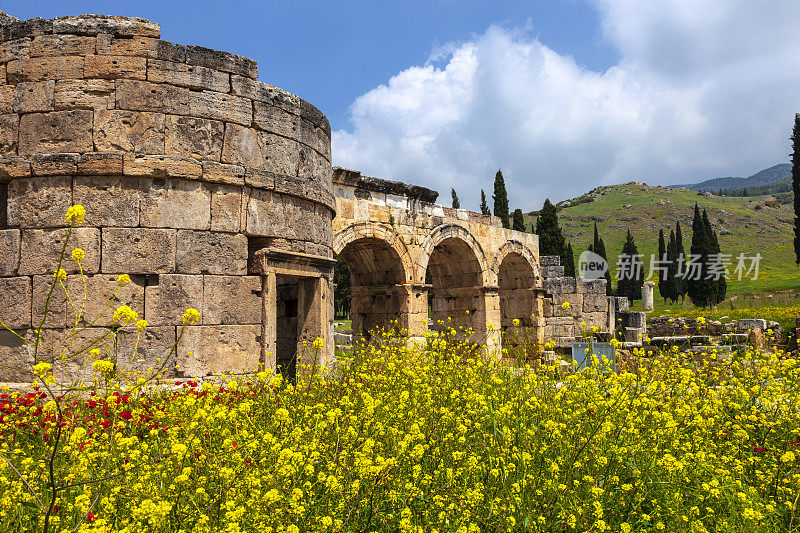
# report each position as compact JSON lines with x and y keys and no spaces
{"x":346,"y":324}
{"x":644,"y":210}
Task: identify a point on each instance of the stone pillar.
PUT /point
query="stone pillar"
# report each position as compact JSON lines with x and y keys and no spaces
{"x":538,"y":319}
{"x":269,"y":321}
{"x":493,"y":328}
{"x":416,"y":310}
{"x":647,"y":295}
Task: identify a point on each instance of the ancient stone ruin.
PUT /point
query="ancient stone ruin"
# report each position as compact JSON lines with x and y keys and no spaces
{"x":211,"y":189}
{"x":215,"y":191}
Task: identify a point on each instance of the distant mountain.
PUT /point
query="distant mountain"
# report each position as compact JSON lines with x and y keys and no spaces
{"x":759,"y":179}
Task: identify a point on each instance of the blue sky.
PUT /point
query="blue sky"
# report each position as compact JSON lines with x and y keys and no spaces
{"x":330,"y":52}
{"x":563,"y":95}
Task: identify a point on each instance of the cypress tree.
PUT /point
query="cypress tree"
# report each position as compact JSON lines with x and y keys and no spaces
{"x":796,"y":184}
{"x":456,"y":203}
{"x":631,"y":286}
{"x":500,"y":198}
{"x":700,"y":289}
{"x":519,"y":221}
{"x":569,"y":263}
{"x":484,"y":206}
{"x":599,"y":247}
{"x":680,"y":283}
{"x":551,"y":240}
{"x":663,"y":278}
{"x":718,"y":287}
{"x":601,"y":251}
{"x":672,"y":267}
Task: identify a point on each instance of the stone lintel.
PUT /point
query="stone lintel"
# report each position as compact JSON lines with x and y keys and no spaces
{"x":353,"y":178}
{"x":289,"y":263}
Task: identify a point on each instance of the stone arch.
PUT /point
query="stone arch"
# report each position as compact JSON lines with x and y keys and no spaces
{"x":517,"y":279}
{"x":378,"y":262}
{"x":458,"y":278}
{"x":377,"y":232}
{"x":515,"y":247}
{"x":456,"y":232}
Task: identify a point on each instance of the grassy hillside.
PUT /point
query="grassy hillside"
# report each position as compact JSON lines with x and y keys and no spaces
{"x":743,"y":225}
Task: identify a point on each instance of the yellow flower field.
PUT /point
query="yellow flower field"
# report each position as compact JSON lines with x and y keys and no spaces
{"x":432,"y":438}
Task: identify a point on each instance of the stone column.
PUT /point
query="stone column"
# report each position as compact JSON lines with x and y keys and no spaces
{"x":647,"y":295}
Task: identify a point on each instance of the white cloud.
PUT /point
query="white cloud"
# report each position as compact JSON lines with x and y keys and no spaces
{"x":703,"y":89}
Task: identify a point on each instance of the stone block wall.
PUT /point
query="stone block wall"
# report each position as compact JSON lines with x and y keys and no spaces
{"x":587,"y":300}
{"x":186,"y":165}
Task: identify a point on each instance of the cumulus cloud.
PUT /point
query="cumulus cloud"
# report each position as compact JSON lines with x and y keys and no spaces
{"x":703,"y":88}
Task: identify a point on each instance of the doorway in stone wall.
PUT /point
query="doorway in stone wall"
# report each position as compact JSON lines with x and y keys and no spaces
{"x":297,"y":322}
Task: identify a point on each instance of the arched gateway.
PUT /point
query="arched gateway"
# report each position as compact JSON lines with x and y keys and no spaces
{"x":426,"y":265}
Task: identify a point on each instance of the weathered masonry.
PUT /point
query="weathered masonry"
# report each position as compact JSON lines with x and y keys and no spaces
{"x":211,"y":189}
{"x":405,"y":253}
{"x":481,"y":276}
{"x":215,"y":191}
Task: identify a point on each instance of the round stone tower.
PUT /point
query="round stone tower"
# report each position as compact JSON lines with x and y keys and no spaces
{"x":210,"y":189}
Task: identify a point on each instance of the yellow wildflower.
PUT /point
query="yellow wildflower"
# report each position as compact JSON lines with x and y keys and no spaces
{"x":76,"y":213}
{"x":191,"y":316}
{"x":42,"y":368}
{"x":103,"y":366}
{"x":125,"y":315}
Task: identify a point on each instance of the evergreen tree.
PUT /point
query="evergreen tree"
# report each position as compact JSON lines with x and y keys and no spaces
{"x":484,"y":206}
{"x":599,"y":247}
{"x":663,"y":277}
{"x":630,"y":284}
{"x":796,"y":184}
{"x":500,"y":198}
{"x":700,"y":289}
{"x":596,"y":241}
{"x":569,"y":264}
{"x":519,"y":221}
{"x":341,"y":294}
{"x":719,"y":286}
{"x":672,"y":267}
{"x":456,"y":203}
{"x":680,"y":256}
{"x":551,"y":240}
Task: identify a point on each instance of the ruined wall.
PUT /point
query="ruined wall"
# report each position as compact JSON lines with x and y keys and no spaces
{"x":587,"y":300}
{"x":186,"y":166}
{"x":390,"y":234}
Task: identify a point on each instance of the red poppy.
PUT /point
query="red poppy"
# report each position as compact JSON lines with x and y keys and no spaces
{"x":91,"y":517}
{"x":125,"y":415}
